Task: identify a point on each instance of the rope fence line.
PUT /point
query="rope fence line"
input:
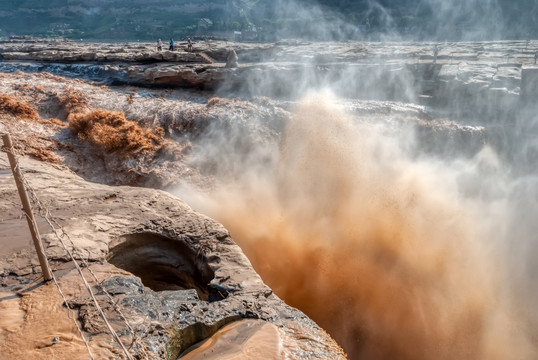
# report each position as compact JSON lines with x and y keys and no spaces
{"x":69,"y":309}
{"x":45,"y":214}
{"x":92,"y":295}
{"x":27,"y":206}
{"x":69,"y":315}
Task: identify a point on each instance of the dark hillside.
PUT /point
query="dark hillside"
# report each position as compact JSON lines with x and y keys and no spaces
{"x":272,"y":20}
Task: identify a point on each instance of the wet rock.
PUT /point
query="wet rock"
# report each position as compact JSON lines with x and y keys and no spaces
{"x":128,"y":285}
{"x":470,"y":69}
{"x":175,"y":276}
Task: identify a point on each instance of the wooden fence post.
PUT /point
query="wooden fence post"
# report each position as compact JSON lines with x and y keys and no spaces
{"x":47,"y":274}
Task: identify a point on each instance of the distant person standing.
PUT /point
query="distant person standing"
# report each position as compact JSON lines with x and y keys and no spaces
{"x":435,"y":53}
{"x":159,"y":45}
{"x":189,"y":46}
{"x":171,"y":44}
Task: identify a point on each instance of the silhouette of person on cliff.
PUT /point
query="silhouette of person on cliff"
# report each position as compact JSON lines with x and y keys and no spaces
{"x":189,"y":46}
{"x":171,"y":44}
{"x":159,"y":45}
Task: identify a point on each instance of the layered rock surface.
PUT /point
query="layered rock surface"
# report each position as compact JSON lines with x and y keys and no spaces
{"x":175,"y":275}
{"x":472,"y":72}
{"x":118,"y":226}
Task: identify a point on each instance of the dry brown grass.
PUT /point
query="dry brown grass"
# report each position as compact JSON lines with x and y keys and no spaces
{"x":113,"y":132}
{"x":20,"y":109}
{"x":72,"y":100}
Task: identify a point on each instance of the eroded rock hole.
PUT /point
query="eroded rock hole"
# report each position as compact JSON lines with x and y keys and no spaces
{"x":162,"y":263}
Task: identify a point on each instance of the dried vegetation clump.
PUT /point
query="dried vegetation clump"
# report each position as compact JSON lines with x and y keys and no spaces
{"x":20,"y":109}
{"x":113,"y":132}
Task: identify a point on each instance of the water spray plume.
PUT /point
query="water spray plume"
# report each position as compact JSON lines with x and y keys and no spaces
{"x":378,"y":248}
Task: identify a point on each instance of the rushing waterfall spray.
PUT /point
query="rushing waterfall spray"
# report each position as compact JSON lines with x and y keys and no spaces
{"x":381,"y":248}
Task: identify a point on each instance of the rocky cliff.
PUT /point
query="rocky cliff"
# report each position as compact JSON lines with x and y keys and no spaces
{"x":165,"y":276}
{"x":173,"y":276}
{"x":481,"y":77}
{"x":172,"y":133}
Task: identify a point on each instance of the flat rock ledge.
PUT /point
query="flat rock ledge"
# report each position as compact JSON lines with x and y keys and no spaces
{"x":463,"y":77}
{"x":174,"y":275}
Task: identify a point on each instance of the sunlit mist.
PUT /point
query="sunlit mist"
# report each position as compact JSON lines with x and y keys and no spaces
{"x":382,"y":249}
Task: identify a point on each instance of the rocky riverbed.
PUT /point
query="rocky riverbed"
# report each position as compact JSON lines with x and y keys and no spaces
{"x":290,"y":178}
{"x":471,"y":72}
{"x":195,"y":279}
{"x":189,"y":279}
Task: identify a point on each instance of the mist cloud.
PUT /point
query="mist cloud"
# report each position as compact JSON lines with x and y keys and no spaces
{"x":397,"y":254}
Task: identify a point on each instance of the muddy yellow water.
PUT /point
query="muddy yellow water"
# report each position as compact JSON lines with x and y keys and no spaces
{"x":241,"y":340}
{"x":12,"y":314}
{"x":32,"y":319}
{"x":380,"y":249}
